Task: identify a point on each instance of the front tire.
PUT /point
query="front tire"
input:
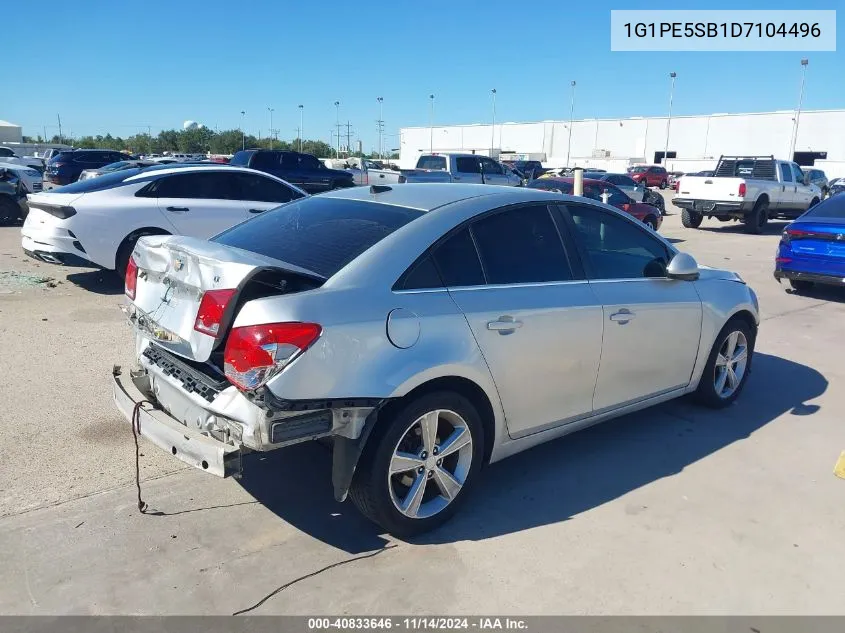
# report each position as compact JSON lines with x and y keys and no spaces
{"x":663,"y":184}
{"x":651,"y":222}
{"x":9,"y":211}
{"x":728,"y":366}
{"x":419,"y":463}
{"x":691,"y":219}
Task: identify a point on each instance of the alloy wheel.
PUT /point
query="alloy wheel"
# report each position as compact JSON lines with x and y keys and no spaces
{"x":430,"y":464}
{"x":731,"y":363}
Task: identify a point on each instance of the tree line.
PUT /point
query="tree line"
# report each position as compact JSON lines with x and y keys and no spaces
{"x":192,"y":141}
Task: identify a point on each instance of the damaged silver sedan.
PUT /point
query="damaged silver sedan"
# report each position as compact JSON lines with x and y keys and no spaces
{"x":427,"y":330}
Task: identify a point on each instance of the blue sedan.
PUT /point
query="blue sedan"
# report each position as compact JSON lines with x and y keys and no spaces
{"x":812,"y":248}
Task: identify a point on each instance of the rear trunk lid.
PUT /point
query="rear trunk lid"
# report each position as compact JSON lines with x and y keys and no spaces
{"x":819,"y":237}
{"x":173,"y":274}
{"x":710,"y":188}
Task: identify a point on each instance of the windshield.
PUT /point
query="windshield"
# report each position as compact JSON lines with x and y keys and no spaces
{"x":638,"y":170}
{"x":318,"y":234}
{"x":114,"y":166}
{"x":551,"y":184}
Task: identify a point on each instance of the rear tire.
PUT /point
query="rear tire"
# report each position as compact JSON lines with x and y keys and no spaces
{"x":801,"y":285}
{"x":813,"y":203}
{"x":378,"y":494}
{"x":726,"y":371}
{"x":756,"y":221}
{"x":691,"y":219}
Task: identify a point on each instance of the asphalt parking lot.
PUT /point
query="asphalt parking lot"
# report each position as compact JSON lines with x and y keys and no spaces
{"x":673,"y":510}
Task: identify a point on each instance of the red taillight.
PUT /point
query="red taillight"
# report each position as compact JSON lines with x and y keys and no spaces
{"x":783,"y":260}
{"x":131,"y":278}
{"x":790,"y":234}
{"x":257,"y":352}
{"x":210,"y":314}
{"x":742,"y":190}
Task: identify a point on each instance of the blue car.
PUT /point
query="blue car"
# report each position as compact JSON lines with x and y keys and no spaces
{"x":812,"y":248}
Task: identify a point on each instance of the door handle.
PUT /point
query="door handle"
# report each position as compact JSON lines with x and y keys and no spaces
{"x":504,"y":325}
{"x":178,"y":209}
{"x":623,"y":316}
{"x":257,"y":210}
{"x":456,"y":177}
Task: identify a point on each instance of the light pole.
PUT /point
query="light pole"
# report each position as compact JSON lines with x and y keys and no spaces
{"x":243,"y":134}
{"x":380,"y":125}
{"x":669,"y":120}
{"x":270,"y":110}
{"x":571,"y":112}
{"x":301,"y":107}
{"x":794,"y":141}
{"x":493,"y":130}
{"x":337,"y":126}
{"x":431,"y":125}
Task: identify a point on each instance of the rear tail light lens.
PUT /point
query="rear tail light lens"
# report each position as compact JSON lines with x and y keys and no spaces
{"x":255,"y":353}
{"x":58,"y":211}
{"x":790,"y":234}
{"x":210,"y":314}
{"x":131,"y":278}
{"x":742,"y":189}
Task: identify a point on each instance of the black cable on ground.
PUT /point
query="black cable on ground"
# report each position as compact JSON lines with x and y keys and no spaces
{"x":136,"y":431}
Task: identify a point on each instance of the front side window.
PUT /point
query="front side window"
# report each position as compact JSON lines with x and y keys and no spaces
{"x":306,"y":161}
{"x":521,"y":245}
{"x":797,"y":173}
{"x":616,"y":248}
{"x":290,"y":161}
{"x":265,"y":161}
{"x":491,"y":166}
{"x":204,"y":186}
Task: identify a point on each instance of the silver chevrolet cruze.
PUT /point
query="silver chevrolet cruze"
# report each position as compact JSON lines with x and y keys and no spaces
{"x":426,"y":329}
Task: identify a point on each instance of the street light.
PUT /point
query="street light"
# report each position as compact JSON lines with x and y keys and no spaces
{"x":300,"y":127}
{"x":431,"y":125}
{"x":380,"y":125}
{"x":571,"y":111}
{"x":337,"y":126}
{"x":271,"y":126}
{"x":493,"y":130}
{"x":794,"y":140}
{"x":669,"y":120}
{"x":243,"y":134}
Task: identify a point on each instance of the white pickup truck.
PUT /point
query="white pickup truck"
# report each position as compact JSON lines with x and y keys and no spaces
{"x":471,"y":168}
{"x":365,"y":171}
{"x":751,"y":189}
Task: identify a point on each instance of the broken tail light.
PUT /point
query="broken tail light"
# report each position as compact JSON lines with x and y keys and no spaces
{"x":210,"y":313}
{"x":131,"y":283}
{"x":256,"y":353}
{"x":742,"y":190}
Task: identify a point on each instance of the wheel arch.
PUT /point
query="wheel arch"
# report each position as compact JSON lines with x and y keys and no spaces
{"x":134,"y":235}
{"x":763,"y":197}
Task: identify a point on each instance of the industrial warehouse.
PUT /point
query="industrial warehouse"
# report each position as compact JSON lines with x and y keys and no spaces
{"x":694,"y":142}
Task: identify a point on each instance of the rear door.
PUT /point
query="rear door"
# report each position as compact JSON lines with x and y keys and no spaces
{"x":536,"y":320}
{"x":467,"y":169}
{"x":200,"y":203}
{"x":313,"y":173}
{"x":260,"y":193}
{"x":652,"y":324}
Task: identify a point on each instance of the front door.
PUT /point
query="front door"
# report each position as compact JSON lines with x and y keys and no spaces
{"x":787,"y":202}
{"x":537,"y":323}
{"x":652,"y":324}
{"x":803,"y":193}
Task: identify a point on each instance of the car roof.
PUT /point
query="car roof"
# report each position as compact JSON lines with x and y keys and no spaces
{"x":429,"y":196}
{"x":571,"y":180}
{"x":168,"y":168}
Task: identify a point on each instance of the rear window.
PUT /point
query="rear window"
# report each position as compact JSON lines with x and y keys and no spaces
{"x":100,"y":183}
{"x":318,"y":234}
{"x":550,"y":184}
{"x":241,"y":158}
{"x":432,"y":162}
{"x":831,"y":208}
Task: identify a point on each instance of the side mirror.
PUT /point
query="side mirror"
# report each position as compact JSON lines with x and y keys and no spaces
{"x":684,"y":267}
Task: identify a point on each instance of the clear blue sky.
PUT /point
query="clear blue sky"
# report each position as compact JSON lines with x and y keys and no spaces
{"x":118,"y":67}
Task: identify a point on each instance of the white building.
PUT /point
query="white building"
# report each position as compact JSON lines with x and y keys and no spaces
{"x":695,"y":142}
{"x":10,"y":133}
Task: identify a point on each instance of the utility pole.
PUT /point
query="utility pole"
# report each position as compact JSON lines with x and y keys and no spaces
{"x":571,"y":112}
{"x":431,"y":125}
{"x":380,"y":125}
{"x":669,"y":119}
{"x":300,"y":127}
{"x":60,"y":127}
{"x":150,"y":139}
{"x":243,"y":133}
{"x":271,"y":126}
{"x":493,"y":127}
{"x":348,"y":138}
{"x":337,"y":125}
{"x":794,"y":140}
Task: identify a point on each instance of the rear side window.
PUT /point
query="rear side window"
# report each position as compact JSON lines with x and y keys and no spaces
{"x":241,"y":158}
{"x":318,"y":234}
{"x":421,"y":276}
{"x":785,"y":172}
{"x":306,"y":161}
{"x":432,"y":162}
{"x":265,"y":160}
{"x":290,"y":160}
{"x":457,"y":260}
{"x":467,"y":165}
{"x":521,"y":245}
